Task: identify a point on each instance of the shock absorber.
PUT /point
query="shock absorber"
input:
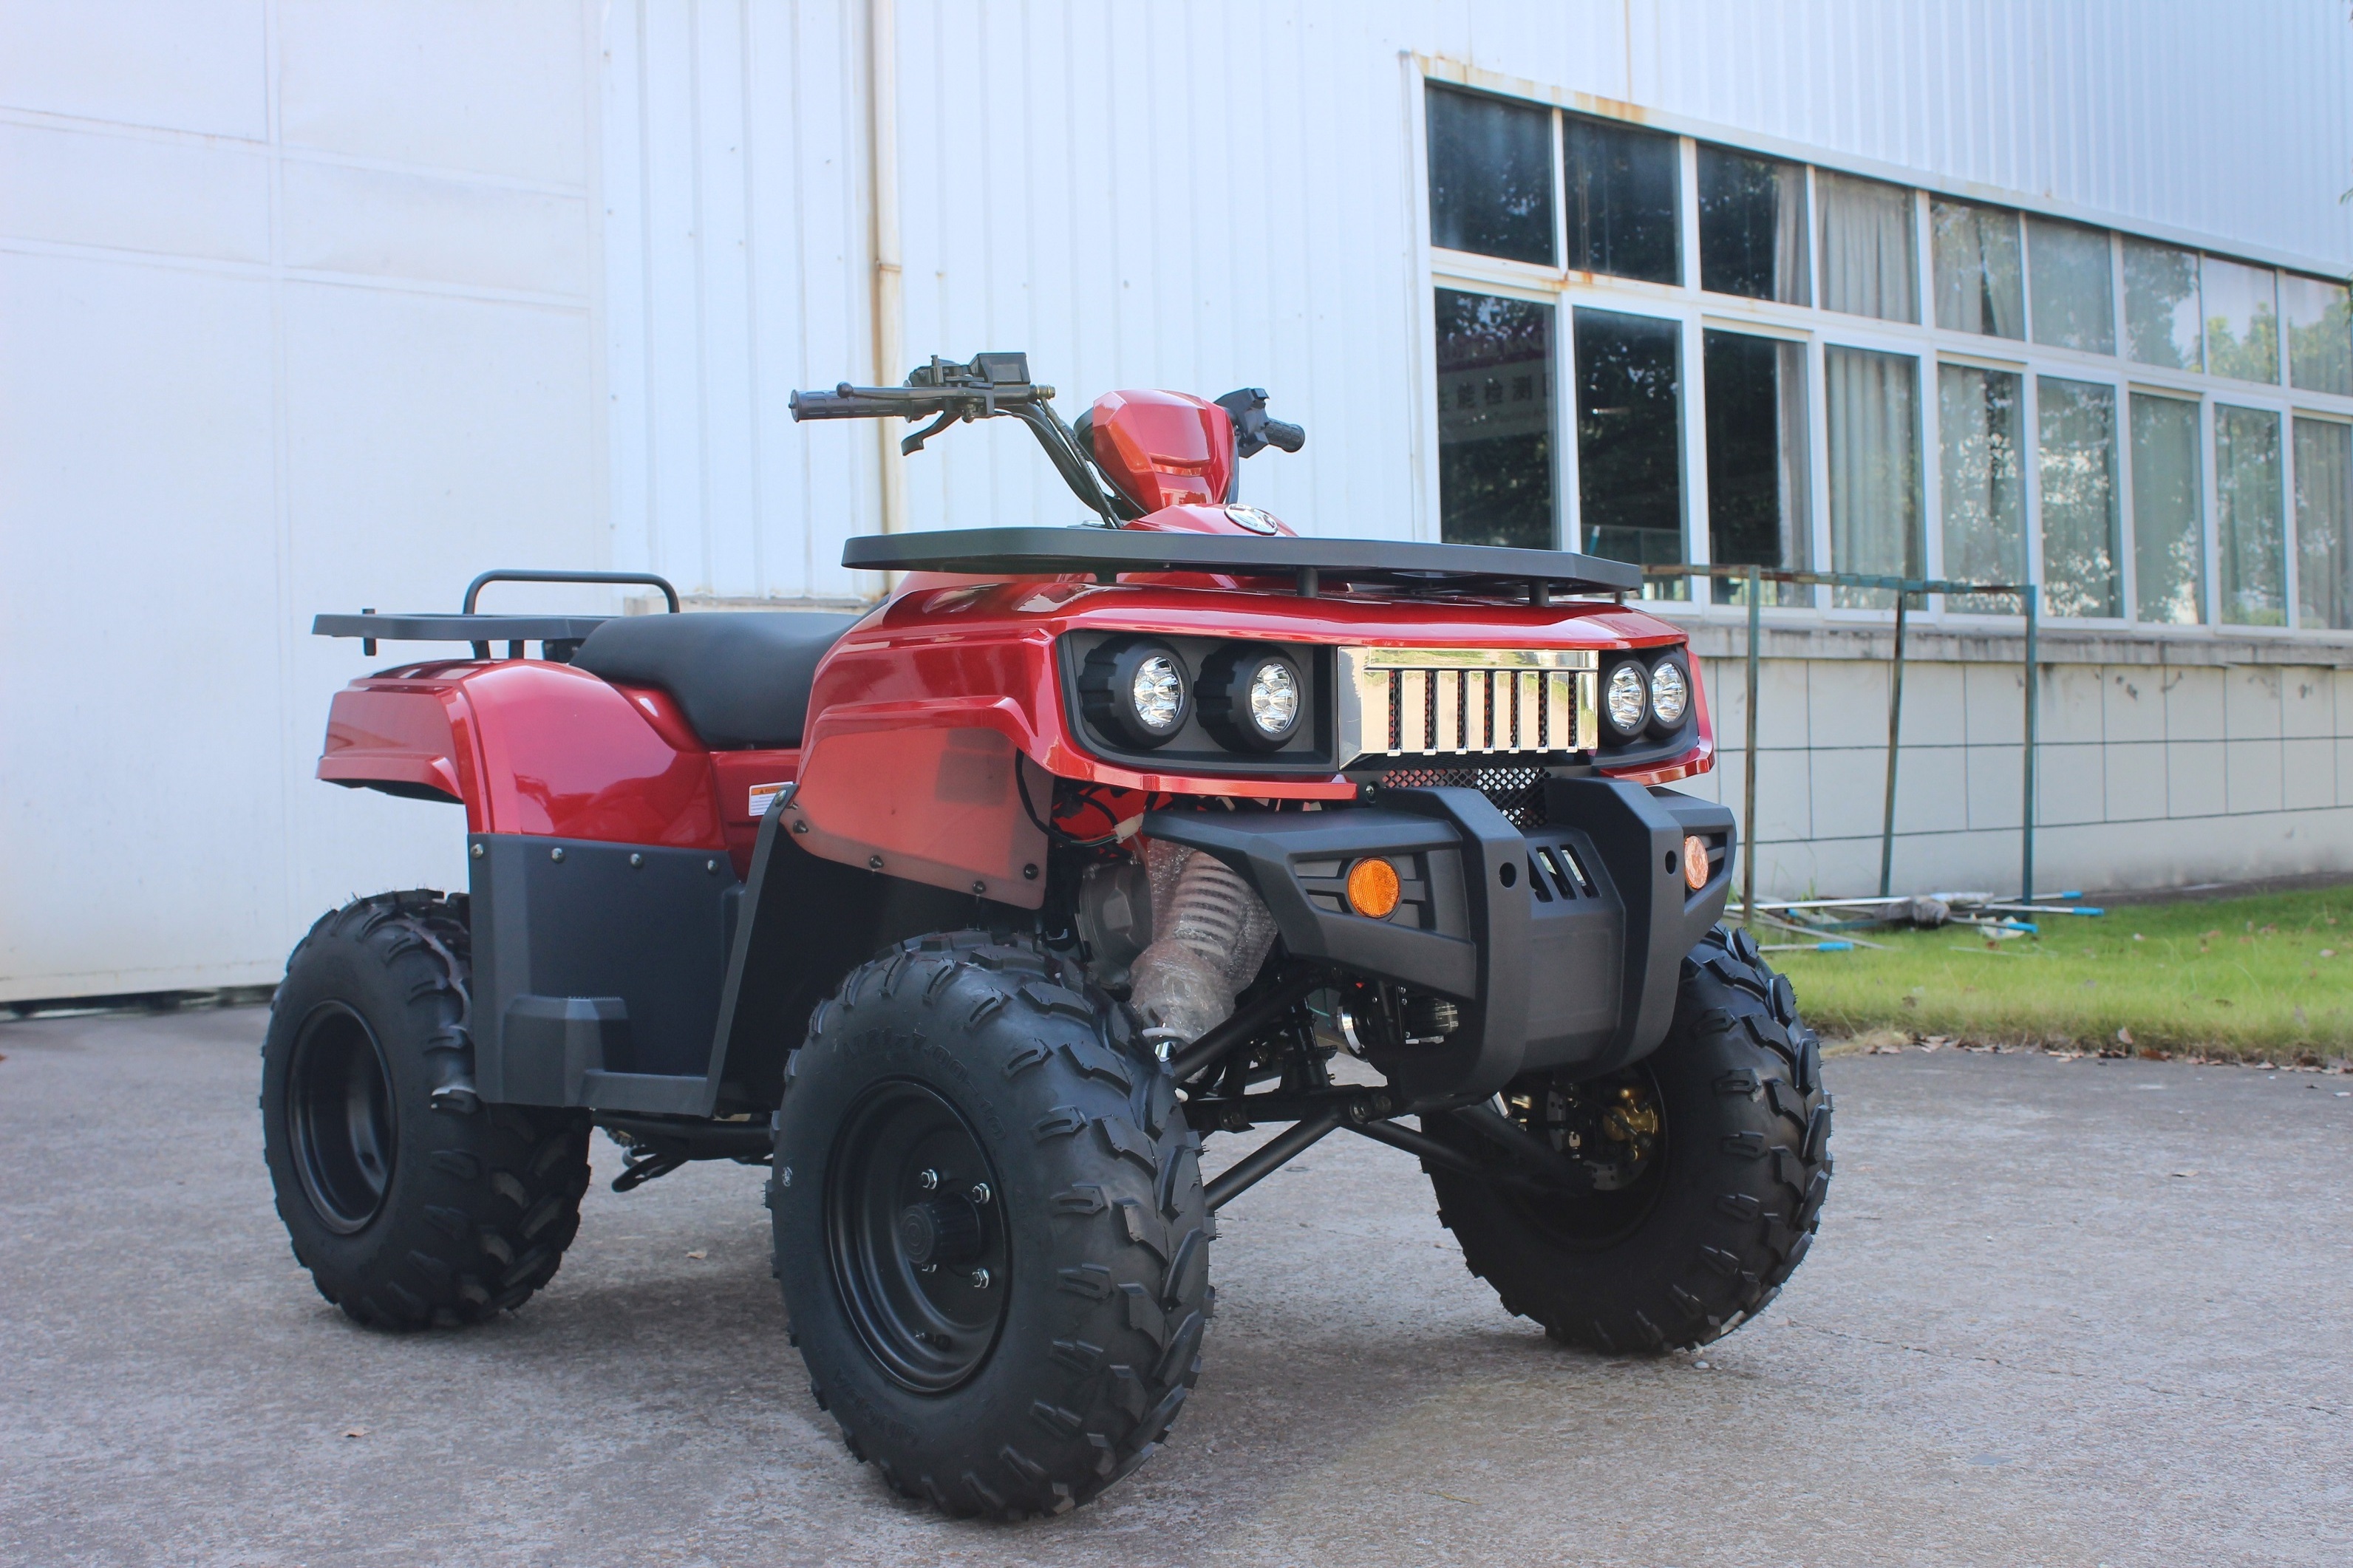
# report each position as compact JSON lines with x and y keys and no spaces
{"x":1210,"y":934}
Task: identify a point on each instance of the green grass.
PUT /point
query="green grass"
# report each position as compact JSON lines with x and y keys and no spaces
{"x":2268,"y":977}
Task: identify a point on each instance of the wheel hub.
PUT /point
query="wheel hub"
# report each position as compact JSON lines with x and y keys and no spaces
{"x":340,"y":1117}
{"x":916,"y":1245}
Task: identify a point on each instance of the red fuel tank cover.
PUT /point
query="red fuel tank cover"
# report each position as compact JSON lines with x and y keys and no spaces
{"x":1164,"y":448}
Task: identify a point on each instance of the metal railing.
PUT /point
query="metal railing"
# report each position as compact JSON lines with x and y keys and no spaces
{"x":2028,"y":594}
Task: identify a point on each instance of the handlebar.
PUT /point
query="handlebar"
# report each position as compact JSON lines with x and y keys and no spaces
{"x":1289,"y":438}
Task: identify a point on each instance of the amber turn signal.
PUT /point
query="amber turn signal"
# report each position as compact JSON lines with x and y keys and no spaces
{"x":1373,"y":888}
{"x":1696,"y":863}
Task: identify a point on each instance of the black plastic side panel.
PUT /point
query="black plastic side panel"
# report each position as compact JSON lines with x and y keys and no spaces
{"x":596,"y":964}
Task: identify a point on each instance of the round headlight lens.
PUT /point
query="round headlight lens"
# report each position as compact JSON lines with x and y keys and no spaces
{"x":1156,"y":694}
{"x":1273,"y":700}
{"x":1628,"y":700}
{"x":1669,"y":693}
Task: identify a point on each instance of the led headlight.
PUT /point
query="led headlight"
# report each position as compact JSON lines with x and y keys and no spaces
{"x":1669,"y":693}
{"x":1253,"y":699}
{"x":1627,"y":703}
{"x":1136,"y":689}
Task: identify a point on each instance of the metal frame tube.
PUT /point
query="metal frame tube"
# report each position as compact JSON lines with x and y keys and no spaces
{"x":1894,"y":731}
{"x":1749,"y":780}
{"x":1262,"y":1162}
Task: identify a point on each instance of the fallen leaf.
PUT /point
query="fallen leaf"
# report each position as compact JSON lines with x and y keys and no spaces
{"x":355,"y":1432}
{"x":2325,"y":952}
{"x":2185,"y":1173}
{"x":698,"y":1256}
{"x":2124,"y":1036}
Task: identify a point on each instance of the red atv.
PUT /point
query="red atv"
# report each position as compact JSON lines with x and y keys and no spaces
{"x":974,"y":915}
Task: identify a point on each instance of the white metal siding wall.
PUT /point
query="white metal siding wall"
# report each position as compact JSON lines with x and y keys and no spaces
{"x":295,"y":315}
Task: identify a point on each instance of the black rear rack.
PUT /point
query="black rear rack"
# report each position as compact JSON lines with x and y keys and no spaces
{"x":561,"y":634}
{"x":1311,"y":562}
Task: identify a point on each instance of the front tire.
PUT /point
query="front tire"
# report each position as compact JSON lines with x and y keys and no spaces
{"x":411,"y":1203}
{"x":1712,"y":1163}
{"x":989,"y":1227}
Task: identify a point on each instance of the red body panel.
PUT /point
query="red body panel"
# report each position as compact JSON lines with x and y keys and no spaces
{"x":915,"y":719}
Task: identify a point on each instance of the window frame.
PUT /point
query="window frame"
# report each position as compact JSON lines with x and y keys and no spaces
{"x":1817,"y":329}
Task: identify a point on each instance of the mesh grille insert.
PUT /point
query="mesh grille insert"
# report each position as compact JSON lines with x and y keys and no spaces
{"x":1517,"y":793}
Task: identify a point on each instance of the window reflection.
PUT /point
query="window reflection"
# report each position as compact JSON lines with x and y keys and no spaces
{"x":1490,"y":175}
{"x":1752,"y":227}
{"x":2168,"y":509}
{"x":2241,"y":320}
{"x":1981,"y":282}
{"x":2248,"y":521}
{"x":1629,"y":436}
{"x":2161,"y":305}
{"x":1622,"y":184}
{"x":2076,"y":426}
{"x":1757,"y":511}
{"x":1494,"y":421}
{"x":2069,"y":284}
{"x":1874,"y":461}
{"x":1980,"y":415}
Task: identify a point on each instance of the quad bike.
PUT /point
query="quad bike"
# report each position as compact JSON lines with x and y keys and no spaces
{"x":972,"y":917}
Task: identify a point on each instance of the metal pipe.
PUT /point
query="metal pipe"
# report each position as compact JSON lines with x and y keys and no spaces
{"x":2031,"y":594}
{"x":1894,"y":729}
{"x":882,"y":105}
{"x":1275,"y":1153}
{"x":1749,"y":783}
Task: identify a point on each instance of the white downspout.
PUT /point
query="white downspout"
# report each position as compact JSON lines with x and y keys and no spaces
{"x":882,"y":99}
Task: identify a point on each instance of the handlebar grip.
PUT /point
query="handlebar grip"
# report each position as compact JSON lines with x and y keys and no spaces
{"x":848,"y":405}
{"x":1290,"y":437}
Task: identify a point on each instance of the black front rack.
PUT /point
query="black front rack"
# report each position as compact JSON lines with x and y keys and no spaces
{"x":558,"y":634}
{"x":1311,"y":562}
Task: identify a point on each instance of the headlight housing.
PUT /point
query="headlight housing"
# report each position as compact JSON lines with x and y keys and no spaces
{"x":1253,"y":699}
{"x":1669,"y":693}
{"x":1626,"y":700}
{"x":1139,"y":689}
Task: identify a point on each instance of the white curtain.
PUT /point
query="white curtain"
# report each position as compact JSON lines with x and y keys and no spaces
{"x":1979,"y":285}
{"x":1874,"y":452}
{"x":1789,"y":234}
{"x":2324,"y":524}
{"x":1869,"y":266}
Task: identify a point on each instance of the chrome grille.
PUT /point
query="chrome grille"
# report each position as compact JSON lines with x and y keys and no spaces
{"x":1450,"y":703}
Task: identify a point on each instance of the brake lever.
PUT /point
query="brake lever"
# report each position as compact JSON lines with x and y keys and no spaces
{"x":913,"y":444}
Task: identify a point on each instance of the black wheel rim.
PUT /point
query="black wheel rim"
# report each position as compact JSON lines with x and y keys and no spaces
{"x":915,"y":1234}
{"x":1596,"y":1220}
{"x":340,"y":1117}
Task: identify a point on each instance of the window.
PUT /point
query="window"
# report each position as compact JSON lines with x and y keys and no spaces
{"x":2168,"y":535}
{"x":2161,"y":305}
{"x":1490,"y":176}
{"x":2319,"y":334}
{"x":2077,"y":423}
{"x":2248,"y":523}
{"x":1868,"y":266}
{"x":1981,"y":282}
{"x":2075,"y":307}
{"x":2242,"y":322}
{"x":1752,"y":227}
{"x":1629,"y":436}
{"x":1979,"y":419}
{"x":1874,"y":452}
{"x":1494,"y":421}
{"x":2324,"y":524}
{"x":1622,"y":201}
{"x":1757,"y":511}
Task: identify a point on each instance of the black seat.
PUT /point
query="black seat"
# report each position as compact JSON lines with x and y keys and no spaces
{"x":742,"y":679}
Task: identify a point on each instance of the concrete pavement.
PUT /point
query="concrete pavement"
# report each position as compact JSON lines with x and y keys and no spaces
{"x":2069,"y":1312}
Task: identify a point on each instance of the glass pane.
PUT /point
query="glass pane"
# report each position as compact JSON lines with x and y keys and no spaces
{"x":2077,"y":423}
{"x":1494,"y":421}
{"x":1629,"y":436}
{"x":1621,"y":201}
{"x":2324,"y":524}
{"x":2319,"y":334}
{"x":1490,"y":176}
{"x":1874,"y":453}
{"x":1980,"y":415}
{"x":2074,"y":305}
{"x":2161,"y":305}
{"x":2242,"y":322}
{"x":2169,"y":540}
{"x":1869,"y":266}
{"x":1752,"y":227}
{"x":1757,"y":511}
{"x":1980,"y":283}
{"x":2248,"y":521}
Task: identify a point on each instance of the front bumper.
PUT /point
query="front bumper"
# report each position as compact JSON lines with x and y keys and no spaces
{"x":1566,"y":942}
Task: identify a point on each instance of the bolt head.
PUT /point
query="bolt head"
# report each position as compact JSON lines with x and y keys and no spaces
{"x":980,"y":1279}
{"x":927,"y":1179}
{"x":556,"y":854}
{"x":710,"y":865}
{"x":478,"y":851}
{"x":1030,"y":872}
{"x":637,"y":860}
{"x":874,"y":862}
{"x":980,"y":1193}
{"x":783,"y":1175}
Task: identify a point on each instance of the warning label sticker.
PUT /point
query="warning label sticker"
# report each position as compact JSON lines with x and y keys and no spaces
{"x":765,"y":795}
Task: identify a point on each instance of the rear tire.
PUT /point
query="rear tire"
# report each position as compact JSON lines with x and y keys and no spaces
{"x":411,"y":1203}
{"x":1697,"y":1244}
{"x":961,"y":1060}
